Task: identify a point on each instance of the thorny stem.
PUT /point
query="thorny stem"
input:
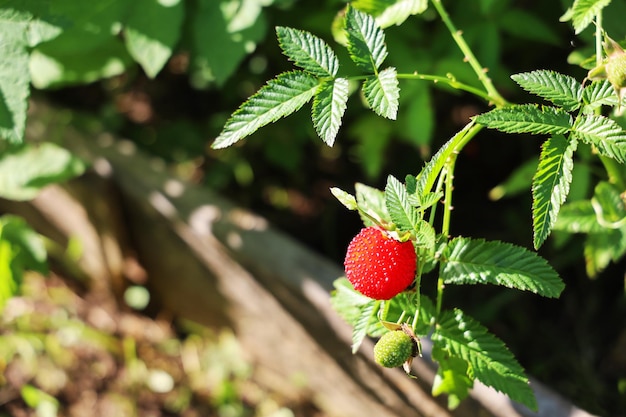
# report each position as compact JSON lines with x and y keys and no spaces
{"x":480,"y":71}
{"x":451,"y":81}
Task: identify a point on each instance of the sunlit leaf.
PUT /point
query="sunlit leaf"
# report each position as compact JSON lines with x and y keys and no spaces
{"x":329,"y":106}
{"x":476,"y":261}
{"x":382,"y":93}
{"x":551,"y":184}
{"x":308,"y":52}
{"x":280,"y":97}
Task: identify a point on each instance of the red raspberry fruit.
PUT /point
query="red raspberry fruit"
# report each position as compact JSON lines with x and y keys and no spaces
{"x":378,"y":265}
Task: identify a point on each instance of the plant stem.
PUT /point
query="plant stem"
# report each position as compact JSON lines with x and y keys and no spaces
{"x":452,"y":82}
{"x":469,"y":56}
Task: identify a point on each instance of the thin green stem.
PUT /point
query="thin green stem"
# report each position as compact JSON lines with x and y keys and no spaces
{"x":469,"y":56}
{"x":450,"y":81}
{"x":599,"y":49}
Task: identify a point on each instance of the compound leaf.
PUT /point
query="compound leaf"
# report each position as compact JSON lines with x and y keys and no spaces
{"x":562,"y":90}
{"x":280,"y":97}
{"x":382,"y":93}
{"x":474,"y":261}
{"x":605,"y":134}
{"x":366,"y":40}
{"x":599,"y":93}
{"x":527,"y":118}
{"x":490,"y":360}
{"x":551,"y":184}
{"x":329,"y":106}
{"x":308,"y":52}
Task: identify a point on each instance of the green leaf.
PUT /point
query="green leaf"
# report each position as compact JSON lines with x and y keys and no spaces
{"x":562,"y":90}
{"x":382,"y":93}
{"x":77,"y":57}
{"x":608,"y":205}
{"x":344,"y":198}
{"x":366,"y":40}
{"x":30,"y":252}
{"x":551,"y":184}
{"x":577,"y":217}
{"x":602,"y":248}
{"x":492,"y":363}
{"x":356,"y":309}
{"x":152,"y":31}
{"x":222,"y":34}
{"x":280,"y":97}
{"x":371,"y":201}
{"x":605,"y":134}
{"x":20,"y":248}
{"x":583,"y":12}
{"x":26,"y":169}
{"x":527,"y":118}
{"x":399,"y":11}
{"x":400,"y":210}
{"x":476,"y":261}
{"x":308,"y":52}
{"x":329,"y":106}
{"x":598,"y":93}
{"x":14,"y":77}
{"x":451,"y":378}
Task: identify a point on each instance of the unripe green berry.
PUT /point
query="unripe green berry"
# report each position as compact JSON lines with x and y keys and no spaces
{"x":393,"y":349}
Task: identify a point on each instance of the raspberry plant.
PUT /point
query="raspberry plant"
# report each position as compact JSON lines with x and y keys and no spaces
{"x":463,"y":348}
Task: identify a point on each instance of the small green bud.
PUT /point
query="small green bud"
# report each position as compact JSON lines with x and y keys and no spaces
{"x":394,"y":349}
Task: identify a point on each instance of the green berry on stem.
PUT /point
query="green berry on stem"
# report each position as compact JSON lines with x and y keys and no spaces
{"x":393,"y":349}
{"x":379,"y":266}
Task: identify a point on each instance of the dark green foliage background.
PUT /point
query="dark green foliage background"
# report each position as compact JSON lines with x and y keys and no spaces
{"x":575,"y":344}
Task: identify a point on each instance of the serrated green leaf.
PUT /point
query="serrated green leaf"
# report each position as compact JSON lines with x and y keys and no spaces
{"x":400,"y":210}
{"x":551,"y":184}
{"x":583,"y":12}
{"x":562,"y":90}
{"x":476,"y":261}
{"x":399,"y":11}
{"x":371,"y":201}
{"x":308,"y":52}
{"x":148,"y":39}
{"x":382,"y":93}
{"x":603,"y":133}
{"x":492,"y":363}
{"x":280,"y":97}
{"x":329,"y":106}
{"x":366,"y":40}
{"x":527,"y":118}
{"x":598,"y":93}
{"x":344,"y":198}
{"x":26,"y":169}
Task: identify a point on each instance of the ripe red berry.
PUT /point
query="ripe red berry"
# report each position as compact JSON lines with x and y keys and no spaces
{"x":378,"y":265}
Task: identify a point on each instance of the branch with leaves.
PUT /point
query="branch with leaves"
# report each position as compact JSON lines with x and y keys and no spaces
{"x":409,"y":211}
